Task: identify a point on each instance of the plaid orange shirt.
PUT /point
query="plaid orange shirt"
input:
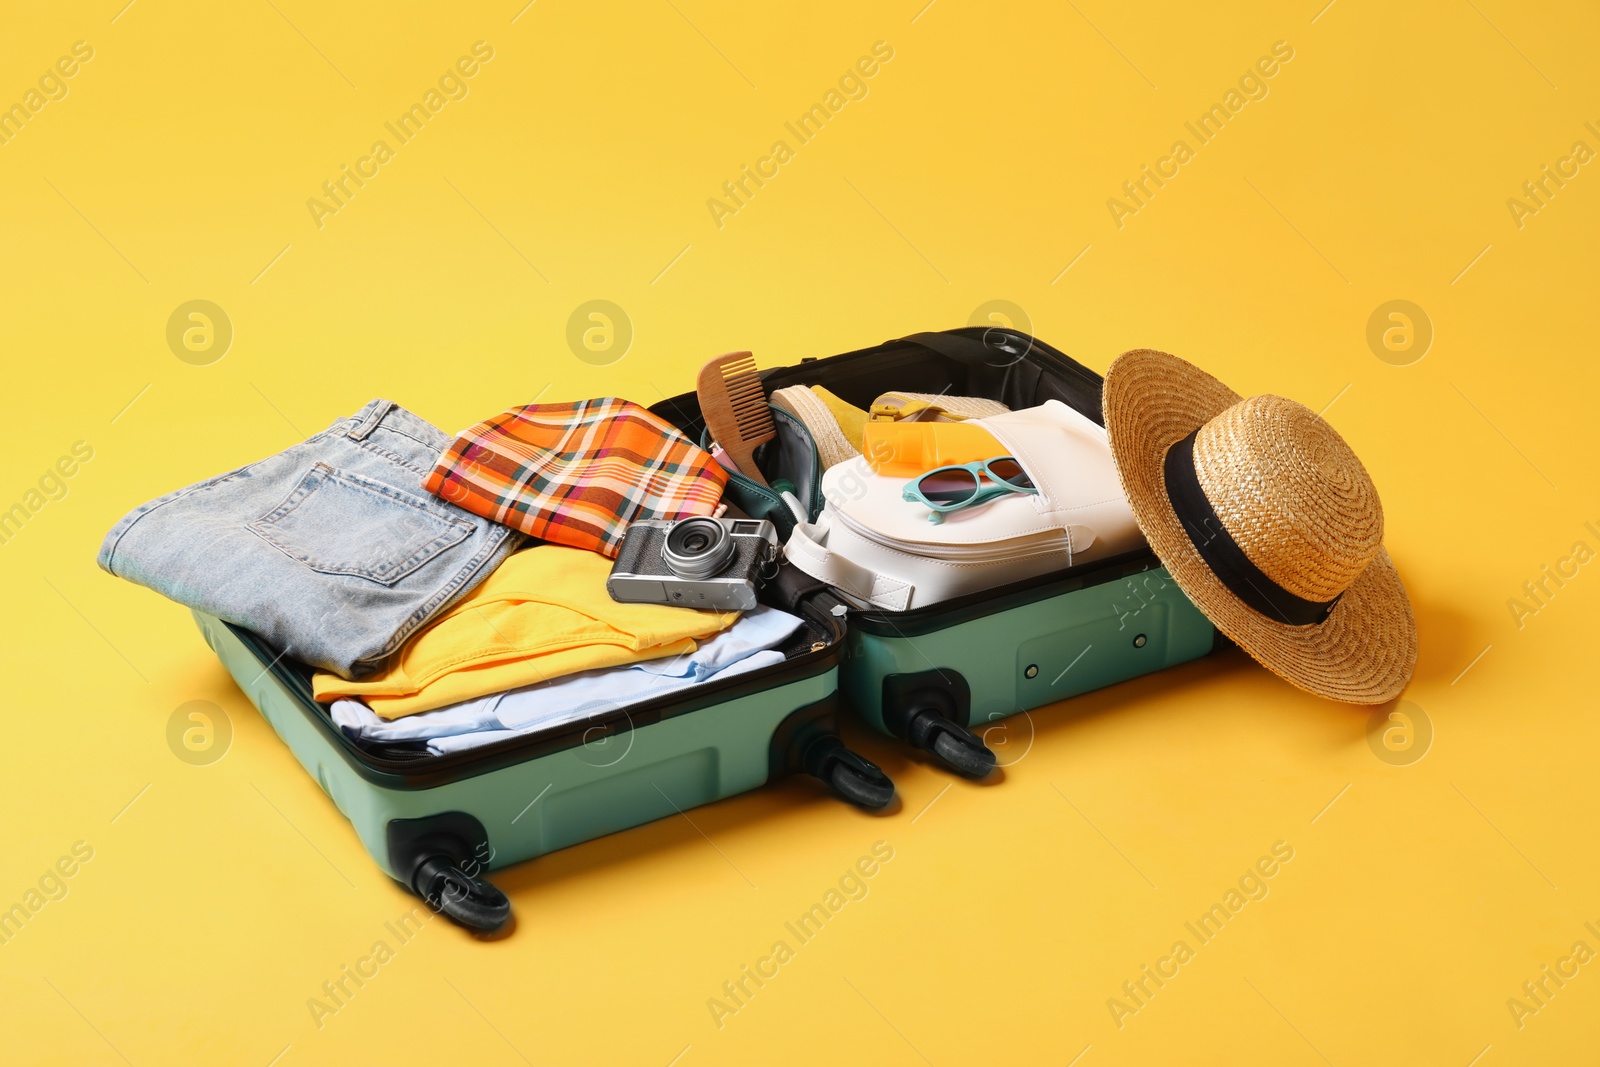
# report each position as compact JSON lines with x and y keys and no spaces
{"x":577,"y":474}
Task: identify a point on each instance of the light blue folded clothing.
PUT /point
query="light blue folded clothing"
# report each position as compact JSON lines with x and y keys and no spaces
{"x":744,"y":647}
{"x":661,"y":684}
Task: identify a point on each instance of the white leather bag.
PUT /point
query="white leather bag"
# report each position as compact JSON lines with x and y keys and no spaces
{"x":881,"y":551}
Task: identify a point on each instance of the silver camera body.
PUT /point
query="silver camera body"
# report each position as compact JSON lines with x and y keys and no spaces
{"x":705,"y":563}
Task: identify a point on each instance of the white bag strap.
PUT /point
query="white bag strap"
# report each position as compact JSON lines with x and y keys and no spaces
{"x":807,"y":549}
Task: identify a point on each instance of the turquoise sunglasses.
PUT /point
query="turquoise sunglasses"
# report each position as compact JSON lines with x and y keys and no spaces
{"x":946,"y":489}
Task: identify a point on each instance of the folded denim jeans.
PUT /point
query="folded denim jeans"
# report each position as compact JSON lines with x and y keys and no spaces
{"x":331,"y":551}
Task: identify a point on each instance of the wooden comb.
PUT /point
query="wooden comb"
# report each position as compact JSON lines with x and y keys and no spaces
{"x":734,"y":406}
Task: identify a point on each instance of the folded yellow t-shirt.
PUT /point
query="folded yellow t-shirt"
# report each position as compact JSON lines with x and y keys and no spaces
{"x":542,"y":614}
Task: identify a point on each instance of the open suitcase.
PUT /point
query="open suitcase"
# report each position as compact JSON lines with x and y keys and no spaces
{"x":932,"y":675}
{"x":437,"y":823}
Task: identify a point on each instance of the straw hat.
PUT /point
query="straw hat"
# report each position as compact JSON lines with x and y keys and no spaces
{"x":1268,"y":521}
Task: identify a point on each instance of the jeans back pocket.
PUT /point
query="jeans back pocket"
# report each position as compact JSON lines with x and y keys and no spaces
{"x":337,"y":522}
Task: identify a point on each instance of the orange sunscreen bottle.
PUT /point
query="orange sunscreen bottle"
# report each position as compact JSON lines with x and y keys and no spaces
{"x":911,"y":448}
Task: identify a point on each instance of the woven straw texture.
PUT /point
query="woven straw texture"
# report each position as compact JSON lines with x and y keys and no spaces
{"x":832,"y":445}
{"x":1299,"y":503}
{"x":951,"y":408}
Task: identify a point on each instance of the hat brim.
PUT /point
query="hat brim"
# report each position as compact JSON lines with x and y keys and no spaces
{"x":1366,"y":649}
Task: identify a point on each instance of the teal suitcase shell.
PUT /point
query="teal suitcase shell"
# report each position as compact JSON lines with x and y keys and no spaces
{"x":970,"y":663}
{"x":932,"y":676}
{"x":437,"y":824}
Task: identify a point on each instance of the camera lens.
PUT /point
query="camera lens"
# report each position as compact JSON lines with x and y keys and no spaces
{"x":697,"y":548}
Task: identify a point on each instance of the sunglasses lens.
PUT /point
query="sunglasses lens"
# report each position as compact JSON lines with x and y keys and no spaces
{"x":948,"y":487}
{"x":1010,"y":471}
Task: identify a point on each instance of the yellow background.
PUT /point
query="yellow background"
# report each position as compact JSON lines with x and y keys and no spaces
{"x":977,"y":168}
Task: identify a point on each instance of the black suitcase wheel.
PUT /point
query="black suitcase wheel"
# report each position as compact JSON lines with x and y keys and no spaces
{"x":861,"y":782}
{"x":929,"y":709}
{"x":851,"y":776}
{"x":950,"y":743}
{"x":472,"y":902}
